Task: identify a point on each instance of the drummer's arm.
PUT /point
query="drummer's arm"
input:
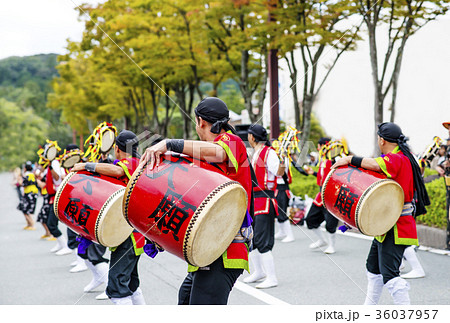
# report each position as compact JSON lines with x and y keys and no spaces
{"x":366,"y":163}
{"x":203,"y":150}
{"x":101,"y":168}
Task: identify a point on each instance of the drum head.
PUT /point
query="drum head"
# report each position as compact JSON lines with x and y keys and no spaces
{"x":107,"y":141}
{"x":50,"y":153}
{"x":71,"y":161}
{"x":111,"y":228}
{"x":379,"y":207}
{"x":215,"y":224}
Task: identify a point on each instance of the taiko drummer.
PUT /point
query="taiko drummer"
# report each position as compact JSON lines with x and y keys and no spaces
{"x":386,"y":252}
{"x":212,"y":284}
{"x":123,"y":279}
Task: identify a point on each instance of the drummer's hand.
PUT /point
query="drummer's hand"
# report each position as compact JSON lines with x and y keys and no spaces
{"x":77,"y":167}
{"x":153,"y":154}
{"x":344,"y":161}
{"x":308,"y":170}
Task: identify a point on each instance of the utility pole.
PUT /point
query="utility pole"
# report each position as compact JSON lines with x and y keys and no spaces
{"x":273,"y":84}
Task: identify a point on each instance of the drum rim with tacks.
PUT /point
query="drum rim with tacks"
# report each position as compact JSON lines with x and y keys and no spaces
{"x":72,"y":155}
{"x":366,"y":219}
{"x":47,"y":151}
{"x":111,"y":229}
{"x":103,"y":147}
{"x":211,"y":210}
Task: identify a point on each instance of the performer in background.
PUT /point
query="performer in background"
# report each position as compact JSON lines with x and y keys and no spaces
{"x":386,"y":252}
{"x":290,"y":142}
{"x":444,"y":170}
{"x":122,"y":277}
{"x":42,"y":217}
{"x":318,"y":213}
{"x":220,"y":145}
{"x":30,"y":192}
{"x":267,"y":167}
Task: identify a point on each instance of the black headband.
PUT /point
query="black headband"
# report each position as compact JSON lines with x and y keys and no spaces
{"x":391,"y":132}
{"x":127,"y":139}
{"x":214,"y":111}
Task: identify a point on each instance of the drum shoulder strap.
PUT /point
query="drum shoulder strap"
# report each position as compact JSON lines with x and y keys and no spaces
{"x":125,"y":169}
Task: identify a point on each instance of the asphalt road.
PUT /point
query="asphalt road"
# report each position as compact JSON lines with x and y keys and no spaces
{"x":31,"y":275}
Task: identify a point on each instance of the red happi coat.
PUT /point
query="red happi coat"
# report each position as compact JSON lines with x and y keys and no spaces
{"x":262,"y":204}
{"x":324,"y":170}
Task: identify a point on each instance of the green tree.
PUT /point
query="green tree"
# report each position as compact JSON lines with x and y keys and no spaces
{"x":21,"y":133}
{"x":320,"y":32}
{"x":401,"y":19}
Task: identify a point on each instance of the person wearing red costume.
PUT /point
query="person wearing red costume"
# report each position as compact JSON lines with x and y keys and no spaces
{"x":267,"y":167}
{"x":318,"y":213}
{"x":219,"y":145}
{"x":386,"y":252}
{"x":122,"y":277}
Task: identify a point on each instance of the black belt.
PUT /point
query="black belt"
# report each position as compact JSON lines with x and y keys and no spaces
{"x":282,"y":187}
{"x":266,"y":194}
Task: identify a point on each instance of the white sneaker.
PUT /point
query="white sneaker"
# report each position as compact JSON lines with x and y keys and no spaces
{"x":268,"y":283}
{"x":78,"y":268}
{"x":253,"y":278}
{"x":100,"y":273}
{"x":63,"y":252}
{"x":317,"y":244}
{"x":330,"y":250}
{"x":74,"y":263}
{"x":413,"y":274}
{"x":288,"y":239}
{"x":102,"y":296}
{"x":56,"y":248}
{"x":280,"y":235}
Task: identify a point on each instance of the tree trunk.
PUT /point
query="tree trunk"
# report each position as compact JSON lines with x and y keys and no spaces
{"x":306,"y":128}
{"x":293,"y":75}
{"x":244,"y":85}
{"x":378,"y":86}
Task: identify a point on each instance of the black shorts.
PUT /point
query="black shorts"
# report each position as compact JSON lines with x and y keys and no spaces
{"x":123,"y":277}
{"x":28,"y":203}
{"x":208,"y":287}
{"x":385,"y":258}
{"x":45,"y":210}
{"x":283,"y":202}
{"x":264,"y":230}
{"x":318,"y":214}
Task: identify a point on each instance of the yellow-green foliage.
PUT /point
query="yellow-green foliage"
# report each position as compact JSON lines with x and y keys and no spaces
{"x":435,"y":217}
{"x":302,"y":185}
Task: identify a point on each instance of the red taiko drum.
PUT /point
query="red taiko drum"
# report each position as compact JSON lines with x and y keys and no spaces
{"x":187,"y":207}
{"x":363,"y":199}
{"x":91,"y":205}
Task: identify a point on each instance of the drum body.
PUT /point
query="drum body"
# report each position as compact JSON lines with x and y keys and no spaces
{"x":91,"y":205}
{"x":187,"y":207}
{"x":363,"y":199}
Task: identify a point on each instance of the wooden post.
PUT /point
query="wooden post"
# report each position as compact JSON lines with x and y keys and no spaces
{"x":273,"y":85}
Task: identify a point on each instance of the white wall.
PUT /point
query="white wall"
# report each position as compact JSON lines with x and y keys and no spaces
{"x":345,"y":103}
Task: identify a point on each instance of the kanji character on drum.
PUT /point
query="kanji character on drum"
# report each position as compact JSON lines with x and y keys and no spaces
{"x":212,"y":284}
{"x":122,"y":277}
{"x":386,"y":252}
{"x":318,"y":213}
{"x":30,"y":192}
{"x":267,"y":167}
